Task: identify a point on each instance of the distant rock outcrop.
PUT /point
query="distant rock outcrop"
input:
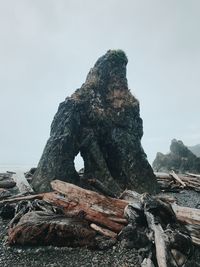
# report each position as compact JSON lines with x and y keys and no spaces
{"x":195,"y":149}
{"x":180,"y":159}
{"x":100,"y":120}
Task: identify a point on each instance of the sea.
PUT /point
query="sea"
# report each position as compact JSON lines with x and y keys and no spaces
{"x":15,"y":168}
{"x":18,"y":177}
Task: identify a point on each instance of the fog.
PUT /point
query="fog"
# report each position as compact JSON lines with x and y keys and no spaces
{"x":48,"y":46}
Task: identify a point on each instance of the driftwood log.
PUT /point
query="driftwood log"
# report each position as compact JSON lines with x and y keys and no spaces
{"x":176,"y":182}
{"x":20,"y":197}
{"x":97,"y":208}
{"x":191,"y":219}
{"x":160,"y":243}
{"x":105,"y":211}
{"x":143,"y":221}
{"x":39,"y":228}
{"x":22,"y":183}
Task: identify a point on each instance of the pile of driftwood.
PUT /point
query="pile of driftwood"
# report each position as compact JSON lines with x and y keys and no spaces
{"x":73,"y":216}
{"x":177,"y":182}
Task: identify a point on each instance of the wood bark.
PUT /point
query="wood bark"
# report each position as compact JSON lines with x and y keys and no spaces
{"x":46,"y":228}
{"x":22,"y":183}
{"x":193,"y":174}
{"x":176,"y":177}
{"x":107,"y":211}
{"x":147,"y":262}
{"x":20,"y":198}
{"x":91,"y":212}
{"x":194,"y":231}
{"x":173,"y":182}
{"x":187,"y":215}
{"x":160,"y":245}
{"x":105,"y":215}
{"x":103,"y":231}
{"x":107,"y":205}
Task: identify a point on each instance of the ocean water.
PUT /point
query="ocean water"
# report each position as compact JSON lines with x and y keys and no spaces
{"x":15,"y":168}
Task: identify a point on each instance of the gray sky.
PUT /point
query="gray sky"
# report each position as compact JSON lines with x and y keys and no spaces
{"x":48,"y":46}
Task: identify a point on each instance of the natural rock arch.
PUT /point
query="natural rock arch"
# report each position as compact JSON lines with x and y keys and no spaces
{"x":101,"y":121}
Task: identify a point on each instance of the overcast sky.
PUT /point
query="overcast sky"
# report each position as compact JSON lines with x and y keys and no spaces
{"x":48,"y":46}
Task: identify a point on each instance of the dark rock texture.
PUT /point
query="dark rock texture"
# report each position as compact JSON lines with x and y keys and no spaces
{"x":101,"y":121}
{"x":180,"y":159}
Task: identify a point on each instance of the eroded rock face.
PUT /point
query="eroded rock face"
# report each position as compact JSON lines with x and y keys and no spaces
{"x":180,"y":159}
{"x":195,"y":150}
{"x":100,"y":120}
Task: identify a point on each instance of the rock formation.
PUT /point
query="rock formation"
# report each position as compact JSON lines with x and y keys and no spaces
{"x":195,"y":150}
{"x":101,"y":121}
{"x":180,"y":159}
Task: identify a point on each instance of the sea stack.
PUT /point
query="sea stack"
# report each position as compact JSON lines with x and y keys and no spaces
{"x":101,"y":120}
{"x":179,"y":159}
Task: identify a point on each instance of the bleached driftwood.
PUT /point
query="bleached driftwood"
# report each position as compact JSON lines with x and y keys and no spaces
{"x":173,"y":182}
{"x":176,"y":177}
{"x":193,"y":174}
{"x":103,"y":231}
{"x":20,"y":198}
{"x":160,"y":243}
{"x":22,"y":183}
{"x":187,"y":215}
